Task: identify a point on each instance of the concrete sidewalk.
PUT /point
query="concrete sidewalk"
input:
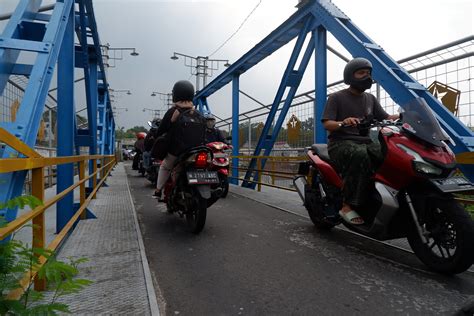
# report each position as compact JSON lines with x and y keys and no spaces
{"x":117,"y":263}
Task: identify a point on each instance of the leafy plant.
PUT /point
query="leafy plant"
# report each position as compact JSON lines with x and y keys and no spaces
{"x":17,"y":259}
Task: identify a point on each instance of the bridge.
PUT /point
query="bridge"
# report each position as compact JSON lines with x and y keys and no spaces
{"x":259,"y":253}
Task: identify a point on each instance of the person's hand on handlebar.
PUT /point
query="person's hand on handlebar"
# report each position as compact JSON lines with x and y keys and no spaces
{"x":350,"y":121}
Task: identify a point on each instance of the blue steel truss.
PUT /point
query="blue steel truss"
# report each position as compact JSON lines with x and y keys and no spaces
{"x":52,"y":37}
{"x":319,"y":17}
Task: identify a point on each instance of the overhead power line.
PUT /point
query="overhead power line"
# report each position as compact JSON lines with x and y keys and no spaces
{"x":238,"y":29}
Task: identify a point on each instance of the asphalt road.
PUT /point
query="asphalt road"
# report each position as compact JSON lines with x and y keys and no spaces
{"x":252,"y":259}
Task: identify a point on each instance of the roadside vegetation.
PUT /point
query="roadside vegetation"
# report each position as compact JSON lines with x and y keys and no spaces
{"x":18,"y":259}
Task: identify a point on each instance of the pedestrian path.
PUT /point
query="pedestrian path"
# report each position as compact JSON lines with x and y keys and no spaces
{"x":117,"y":264}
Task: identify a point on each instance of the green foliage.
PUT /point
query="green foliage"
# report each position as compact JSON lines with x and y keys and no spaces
{"x":17,"y":259}
{"x":21,"y":202}
{"x":130,"y":133}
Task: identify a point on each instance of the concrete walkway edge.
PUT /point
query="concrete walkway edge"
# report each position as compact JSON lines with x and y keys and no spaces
{"x":154,"y":309}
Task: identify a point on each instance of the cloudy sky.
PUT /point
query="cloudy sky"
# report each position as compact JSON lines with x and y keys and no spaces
{"x":197,"y":28}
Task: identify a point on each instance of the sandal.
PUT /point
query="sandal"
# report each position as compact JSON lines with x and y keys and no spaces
{"x":350,"y":216}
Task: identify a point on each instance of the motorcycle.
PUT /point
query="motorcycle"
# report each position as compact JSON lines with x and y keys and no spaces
{"x":153,"y":170}
{"x":189,"y":187}
{"x":220,"y":163}
{"x":412,"y":196}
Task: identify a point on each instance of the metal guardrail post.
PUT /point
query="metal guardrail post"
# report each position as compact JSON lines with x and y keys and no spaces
{"x":94,"y":178}
{"x":39,"y":234}
{"x":259,"y":167}
{"x":82,"y":194}
{"x":273,"y":172}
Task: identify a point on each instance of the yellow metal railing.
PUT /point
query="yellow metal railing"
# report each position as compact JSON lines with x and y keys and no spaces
{"x":273,"y":172}
{"x":36,"y":163}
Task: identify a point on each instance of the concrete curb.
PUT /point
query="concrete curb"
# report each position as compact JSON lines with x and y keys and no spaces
{"x":154,"y":309}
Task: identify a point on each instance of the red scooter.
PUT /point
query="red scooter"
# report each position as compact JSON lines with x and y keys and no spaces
{"x":220,"y":163}
{"x":412,"y":195}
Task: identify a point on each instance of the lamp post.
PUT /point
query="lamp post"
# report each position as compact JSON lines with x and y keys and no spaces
{"x":156,"y":113}
{"x":127,"y":91}
{"x":167,"y":97}
{"x":117,"y":53}
{"x":201,"y":66}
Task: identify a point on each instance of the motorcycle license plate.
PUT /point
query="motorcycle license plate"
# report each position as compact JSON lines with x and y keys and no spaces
{"x":454,"y":184}
{"x":202,"y":177}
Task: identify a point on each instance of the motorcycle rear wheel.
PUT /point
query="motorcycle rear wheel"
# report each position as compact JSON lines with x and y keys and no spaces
{"x":450,"y":247}
{"x":196,"y":218}
{"x":225,"y":185}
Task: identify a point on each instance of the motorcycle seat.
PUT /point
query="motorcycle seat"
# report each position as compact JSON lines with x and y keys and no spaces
{"x":322,"y":151}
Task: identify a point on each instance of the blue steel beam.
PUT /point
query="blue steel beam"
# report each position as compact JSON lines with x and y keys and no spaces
{"x":66,"y":115}
{"x":392,"y":77}
{"x":24,"y":33}
{"x":291,"y":79}
{"x":31,"y":108}
{"x":278,"y":38}
{"x":395,"y":80}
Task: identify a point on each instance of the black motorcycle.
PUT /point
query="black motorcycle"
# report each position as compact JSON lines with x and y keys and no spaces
{"x":189,"y":187}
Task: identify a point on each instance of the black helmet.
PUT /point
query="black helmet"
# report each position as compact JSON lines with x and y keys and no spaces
{"x":353,"y":66}
{"x":183,"y":90}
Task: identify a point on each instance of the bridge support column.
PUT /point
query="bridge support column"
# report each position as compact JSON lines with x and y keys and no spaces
{"x":65,"y":126}
{"x":235,"y":128}
{"x":320,"y":61}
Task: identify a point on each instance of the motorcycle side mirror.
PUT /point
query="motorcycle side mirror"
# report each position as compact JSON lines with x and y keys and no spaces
{"x":149,"y":123}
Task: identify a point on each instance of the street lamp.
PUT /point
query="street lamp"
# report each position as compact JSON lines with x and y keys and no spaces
{"x":167,"y":97}
{"x":127,"y":91}
{"x":117,"y":53}
{"x":200,"y":65}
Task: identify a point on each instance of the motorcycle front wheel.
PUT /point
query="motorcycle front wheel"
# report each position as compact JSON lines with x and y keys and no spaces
{"x":196,"y":217}
{"x":450,"y":234}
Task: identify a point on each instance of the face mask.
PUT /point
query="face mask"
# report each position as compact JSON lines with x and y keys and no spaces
{"x":362,"y":84}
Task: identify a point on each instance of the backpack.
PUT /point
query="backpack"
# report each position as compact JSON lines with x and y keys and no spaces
{"x":188,"y":131}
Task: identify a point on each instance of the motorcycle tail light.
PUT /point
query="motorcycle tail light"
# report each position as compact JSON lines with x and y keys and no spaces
{"x":201,"y":160}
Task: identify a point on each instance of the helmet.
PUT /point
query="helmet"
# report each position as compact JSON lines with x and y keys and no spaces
{"x":155,"y":123}
{"x":354,"y":65}
{"x":183,"y":90}
{"x":141,"y":135}
{"x":210,"y":120}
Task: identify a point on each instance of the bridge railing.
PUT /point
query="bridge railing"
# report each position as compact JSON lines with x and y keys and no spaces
{"x":282,"y":167}
{"x":37,"y":164}
{"x":278,"y":172}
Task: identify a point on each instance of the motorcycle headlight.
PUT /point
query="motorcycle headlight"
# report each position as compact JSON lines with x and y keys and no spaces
{"x":419,"y":163}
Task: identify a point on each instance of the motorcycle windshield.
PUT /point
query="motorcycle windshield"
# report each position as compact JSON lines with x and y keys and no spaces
{"x":419,"y":121}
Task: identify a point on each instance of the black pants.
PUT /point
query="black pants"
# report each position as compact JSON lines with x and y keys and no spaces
{"x":357,"y":163}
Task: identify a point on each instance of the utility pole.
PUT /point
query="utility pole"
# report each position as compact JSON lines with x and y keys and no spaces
{"x":201,"y":67}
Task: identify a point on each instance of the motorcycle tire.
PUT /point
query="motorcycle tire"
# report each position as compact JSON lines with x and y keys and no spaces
{"x":315,"y":211}
{"x":196,"y":218}
{"x":450,"y":226}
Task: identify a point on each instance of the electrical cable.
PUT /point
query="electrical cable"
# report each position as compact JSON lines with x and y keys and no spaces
{"x":238,"y":29}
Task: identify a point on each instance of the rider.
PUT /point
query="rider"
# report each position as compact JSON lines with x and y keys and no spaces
{"x":139,"y":149}
{"x":149,"y":141}
{"x":355,"y":156}
{"x":213,"y":134}
{"x":183,"y":94}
